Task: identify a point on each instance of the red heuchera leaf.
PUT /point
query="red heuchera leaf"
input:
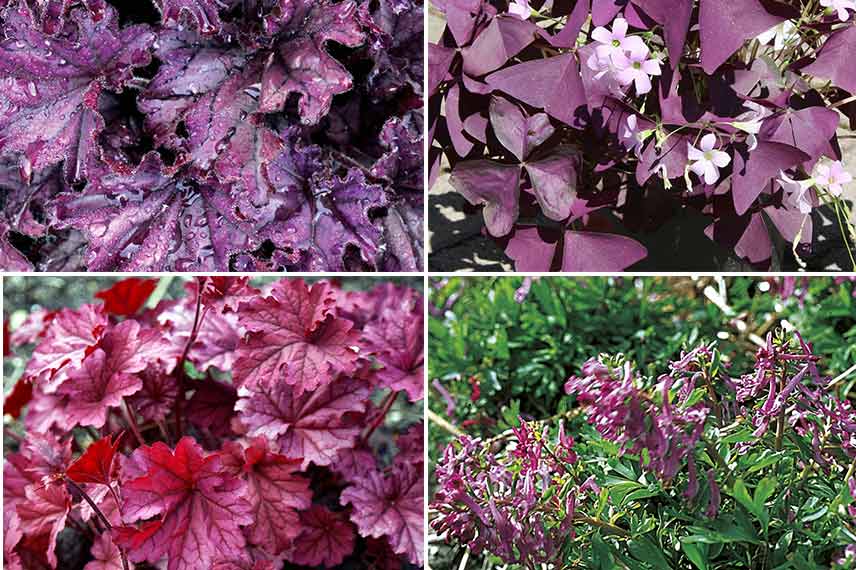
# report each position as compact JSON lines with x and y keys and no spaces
{"x":326,"y":538}
{"x":127,"y":296}
{"x":70,"y":337}
{"x":94,"y":389}
{"x":53,"y":113}
{"x":19,"y":397}
{"x":313,"y":426}
{"x":11,"y":536}
{"x":396,"y":339}
{"x":411,"y":445}
{"x":294,"y":335}
{"x":96,"y":463}
{"x":105,"y":553}
{"x":216,"y":342}
{"x":201,"y":507}
{"x":43,"y":513}
{"x":390,"y":505}
{"x":274,"y":489}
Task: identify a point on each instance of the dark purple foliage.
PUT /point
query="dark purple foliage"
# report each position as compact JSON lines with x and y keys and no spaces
{"x":204,"y":135}
{"x":580,"y":124}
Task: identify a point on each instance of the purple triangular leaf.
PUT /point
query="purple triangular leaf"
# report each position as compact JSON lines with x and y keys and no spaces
{"x":517,"y":132}
{"x":595,"y":251}
{"x":808,"y":129}
{"x":503,"y":38}
{"x":439,"y":60}
{"x":554,"y":180}
{"x":495,"y":185}
{"x":454,"y":122}
{"x":836,"y":60}
{"x":604,"y":11}
{"x":530,"y":251}
{"x":675,"y":17}
{"x":724,"y":26}
{"x":753,"y":175}
{"x":567,"y":36}
{"x":552,"y":84}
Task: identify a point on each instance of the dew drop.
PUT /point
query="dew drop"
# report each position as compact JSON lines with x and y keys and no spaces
{"x":98,"y":230}
{"x":31,"y":87}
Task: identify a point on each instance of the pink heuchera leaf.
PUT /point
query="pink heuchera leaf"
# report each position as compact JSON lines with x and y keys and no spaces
{"x":156,"y":397}
{"x":201,"y":507}
{"x":96,"y":465}
{"x":313,"y":426}
{"x":294,"y":335}
{"x":52,"y":112}
{"x":94,"y":389}
{"x":411,"y":445}
{"x":11,"y":536}
{"x":105,"y":553}
{"x":71,"y":335}
{"x":326,"y":538}
{"x":33,"y":328}
{"x":390,"y":505}
{"x":274,"y":489}
{"x":396,"y":341}
{"x":43,"y":513}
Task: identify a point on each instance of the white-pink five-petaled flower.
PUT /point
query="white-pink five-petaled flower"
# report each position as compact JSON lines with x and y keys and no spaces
{"x":707,"y":161}
{"x":841,"y":7}
{"x":615,"y":42}
{"x":520,"y":8}
{"x":832,"y":177}
{"x":636,"y":68}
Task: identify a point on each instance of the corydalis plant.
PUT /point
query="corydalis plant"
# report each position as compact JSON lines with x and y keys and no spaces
{"x":208,"y":135}
{"x":233,"y":428}
{"x":727,"y":108}
{"x":678,"y":473}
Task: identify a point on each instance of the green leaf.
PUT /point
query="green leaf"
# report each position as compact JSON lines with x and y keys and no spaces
{"x":644,"y":550}
{"x":695,"y":554}
{"x":741,"y":495}
{"x":764,"y":490}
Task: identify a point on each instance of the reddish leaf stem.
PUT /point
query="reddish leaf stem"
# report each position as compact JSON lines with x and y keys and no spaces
{"x":101,"y":516}
{"x":182,"y":386}
{"x":385,"y":406}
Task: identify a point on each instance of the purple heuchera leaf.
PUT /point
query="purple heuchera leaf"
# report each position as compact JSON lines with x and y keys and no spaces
{"x":494,"y":185}
{"x":835,"y":60}
{"x":148,"y":220}
{"x":724,"y":26}
{"x":552,"y":84}
{"x":51,"y":113}
{"x":204,"y":14}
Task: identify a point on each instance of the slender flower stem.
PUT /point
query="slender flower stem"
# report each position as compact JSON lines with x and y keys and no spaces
{"x":182,"y":386}
{"x":132,"y":422}
{"x":384,"y":409}
{"x":780,"y":421}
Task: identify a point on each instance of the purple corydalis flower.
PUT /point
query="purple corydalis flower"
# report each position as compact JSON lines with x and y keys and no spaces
{"x":715,"y":498}
{"x":706,"y":160}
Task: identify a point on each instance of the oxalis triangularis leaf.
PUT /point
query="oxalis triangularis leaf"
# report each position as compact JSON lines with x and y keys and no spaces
{"x":211,"y":135}
{"x":198,"y":465}
{"x":570,"y":124}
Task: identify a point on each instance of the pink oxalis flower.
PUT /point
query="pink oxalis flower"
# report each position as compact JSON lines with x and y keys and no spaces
{"x":706,"y":161}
